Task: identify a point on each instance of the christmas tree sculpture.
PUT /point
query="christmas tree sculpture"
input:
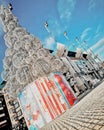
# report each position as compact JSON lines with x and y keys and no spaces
{"x":25,"y":58}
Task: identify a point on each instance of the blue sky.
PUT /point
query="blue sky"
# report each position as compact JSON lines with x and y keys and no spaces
{"x":81,"y":18}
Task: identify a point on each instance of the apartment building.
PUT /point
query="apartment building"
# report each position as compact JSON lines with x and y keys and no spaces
{"x":5,"y":123}
{"x":14,"y":110}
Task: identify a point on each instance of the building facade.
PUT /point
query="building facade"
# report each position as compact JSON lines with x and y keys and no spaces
{"x":5,"y":122}
{"x":14,"y":112}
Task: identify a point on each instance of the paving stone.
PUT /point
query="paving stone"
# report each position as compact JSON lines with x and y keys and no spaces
{"x":102,"y":128}
{"x":88,"y":114}
{"x":97,"y":127}
{"x":91,"y":126}
{"x":86,"y":129}
{"x":101,"y":122}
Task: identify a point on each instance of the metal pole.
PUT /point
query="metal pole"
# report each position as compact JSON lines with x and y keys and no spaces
{"x":73,"y":45}
{"x":90,"y":62}
{"x":47,"y":29}
{"x":65,"y":35}
{"x":87,"y":47}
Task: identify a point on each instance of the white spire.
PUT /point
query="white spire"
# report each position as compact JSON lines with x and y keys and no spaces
{"x":25,"y":58}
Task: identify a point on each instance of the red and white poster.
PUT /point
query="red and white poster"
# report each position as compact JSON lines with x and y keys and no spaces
{"x":45,"y":99}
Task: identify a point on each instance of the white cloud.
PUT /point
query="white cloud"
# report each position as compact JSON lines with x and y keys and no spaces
{"x":99,"y":44}
{"x":55,"y":26}
{"x":100,"y":52}
{"x":98,"y":48}
{"x":65,"y":9}
{"x":85,"y":33}
{"x":98,"y":32}
{"x":96,"y":35}
{"x":92,"y":4}
{"x":49,"y":42}
{"x":98,"y":28}
{"x":66,"y":15}
{"x":59,"y":25}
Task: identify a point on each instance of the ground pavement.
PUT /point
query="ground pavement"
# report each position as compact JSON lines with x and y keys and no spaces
{"x":87,"y":114}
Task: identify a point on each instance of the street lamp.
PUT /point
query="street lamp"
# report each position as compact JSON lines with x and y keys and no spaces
{"x":46,"y":25}
{"x":95,"y":55}
{"x":10,"y":7}
{"x":66,"y":36}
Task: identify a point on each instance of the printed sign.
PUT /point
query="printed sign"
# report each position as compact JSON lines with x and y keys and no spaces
{"x":45,"y":99}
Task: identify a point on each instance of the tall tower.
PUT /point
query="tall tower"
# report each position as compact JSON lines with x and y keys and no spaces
{"x":25,"y":58}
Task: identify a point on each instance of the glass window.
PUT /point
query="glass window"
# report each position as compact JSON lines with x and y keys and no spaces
{"x":19,"y":113}
{"x":10,"y":111}
{"x":16,"y":105}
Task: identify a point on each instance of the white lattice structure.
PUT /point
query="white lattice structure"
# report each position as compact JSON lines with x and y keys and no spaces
{"x":25,"y":58}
